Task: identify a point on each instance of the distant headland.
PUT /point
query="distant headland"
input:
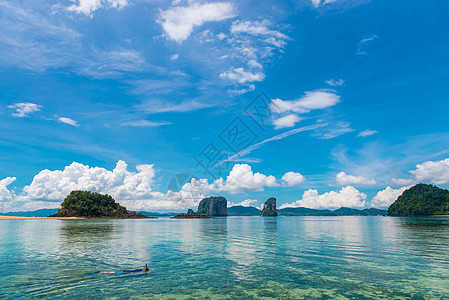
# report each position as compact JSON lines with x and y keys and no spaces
{"x":421,"y":200}
{"x":85,"y":204}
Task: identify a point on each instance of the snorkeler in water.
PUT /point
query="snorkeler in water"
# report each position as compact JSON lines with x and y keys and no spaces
{"x":144,"y":270}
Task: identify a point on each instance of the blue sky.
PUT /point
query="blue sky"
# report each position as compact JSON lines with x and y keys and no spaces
{"x":120,"y":96}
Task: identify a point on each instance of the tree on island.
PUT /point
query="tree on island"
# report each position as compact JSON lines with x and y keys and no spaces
{"x":421,"y":200}
{"x":93,"y":205}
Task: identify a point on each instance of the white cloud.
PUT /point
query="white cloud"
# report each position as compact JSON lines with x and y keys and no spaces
{"x":292,"y":179}
{"x":119,"y":183}
{"x":241,"y":76}
{"x":178,"y":22}
{"x":318,"y":3}
{"x":5,"y":193}
{"x":334,"y":82}
{"x":87,"y":7}
{"x":23,"y":109}
{"x":286,"y":121}
{"x":145,"y":123}
{"x":256,"y":28}
{"x":367,"y":132}
{"x":68,"y":121}
{"x":345,"y":179}
{"x":243,"y":179}
{"x":436,"y":172}
{"x":246,"y":203}
{"x":319,"y":99}
{"x":174,"y":56}
{"x":387,"y":196}
{"x":363,"y":42}
{"x":402,"y":181}
{"x":346,"y":197}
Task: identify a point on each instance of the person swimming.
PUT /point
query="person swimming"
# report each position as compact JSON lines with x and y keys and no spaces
{"x":145,"y":269}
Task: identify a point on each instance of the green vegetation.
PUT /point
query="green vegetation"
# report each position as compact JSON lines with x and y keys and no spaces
{"x":93,"y":205}
{"x":421,"y":200}
{"x":269,"y":209}
{"x":213,"y":206}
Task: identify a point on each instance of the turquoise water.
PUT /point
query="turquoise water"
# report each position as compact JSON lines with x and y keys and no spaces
{"x":225,"y":258}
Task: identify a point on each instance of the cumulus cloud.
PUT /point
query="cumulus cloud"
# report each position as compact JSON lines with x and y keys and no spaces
{"x":246,"y":203}
{"x":286,"y":110}
{"x":5,"y":193}
{"x":387,"y":196}
{"x":179,"y":22}
{"x":334,"y":82}
{"x":87,"y":7}
{"x":292,"y":179}
{"x":436,"y":172}
{"x":23,"y":109}
{"x":68,"y":121}
{"x":367,"y":132}
{"x":241,"y":76}
{"x":319,"y":99}
{"x":251,"y":43}
{"x":286,"y":121}
{"x":243,"y":179}
{"x":345,"y":179}
{"x":346,"y":197}
{"x":119,"y":183}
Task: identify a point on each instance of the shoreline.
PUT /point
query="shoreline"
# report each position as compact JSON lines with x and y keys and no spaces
{"x":39,"y":218}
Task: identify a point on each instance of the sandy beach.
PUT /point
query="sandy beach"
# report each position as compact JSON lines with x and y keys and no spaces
{"x":37,"y":218}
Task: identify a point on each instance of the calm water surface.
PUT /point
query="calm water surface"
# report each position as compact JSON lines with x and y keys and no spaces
{"x":227,"y":258}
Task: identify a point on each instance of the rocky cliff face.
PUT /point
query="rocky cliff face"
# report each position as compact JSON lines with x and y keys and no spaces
{"x":269,"y":209}
{"x":213,"y":207}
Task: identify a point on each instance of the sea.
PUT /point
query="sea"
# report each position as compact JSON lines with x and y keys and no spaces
{"x":227,"y":258}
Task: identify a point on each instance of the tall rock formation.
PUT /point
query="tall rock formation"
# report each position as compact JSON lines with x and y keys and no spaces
{"x":269,"y":209}
{"x":213,"y":207}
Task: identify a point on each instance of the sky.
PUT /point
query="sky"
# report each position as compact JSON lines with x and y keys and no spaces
{"x":319,"y":103}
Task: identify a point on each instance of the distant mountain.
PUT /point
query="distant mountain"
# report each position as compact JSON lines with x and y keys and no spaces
{"x":243,"y":211}
{"x":302,"y":211}
{"x":421,"y":200}
{"x":35,"y":213}
{"x":343,"y":211}
{"x":236,"y":211}
{"x":156,"y":214}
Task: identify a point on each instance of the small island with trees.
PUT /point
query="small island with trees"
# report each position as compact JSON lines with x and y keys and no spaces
{"x":85,"y":204}
{"x":421,"y":200}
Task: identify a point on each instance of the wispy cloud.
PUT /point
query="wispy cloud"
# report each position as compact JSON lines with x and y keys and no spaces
{"x":23,"y":109}
{"x":367,"y":132}
{"x":145,"y":123}
{"x":335,"y":82}
{"x":156,"y":107}
{"x":68,"y":121}
{"x":361,"y":47}
{"x":281,"y":136}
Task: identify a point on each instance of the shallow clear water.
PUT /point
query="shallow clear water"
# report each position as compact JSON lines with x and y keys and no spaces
{"x":223,"y":258}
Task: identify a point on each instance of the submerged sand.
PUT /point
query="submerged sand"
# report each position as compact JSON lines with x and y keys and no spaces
{"x":38,"y":218}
